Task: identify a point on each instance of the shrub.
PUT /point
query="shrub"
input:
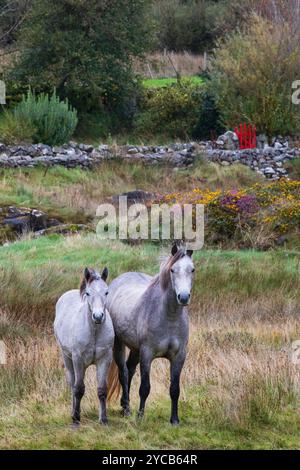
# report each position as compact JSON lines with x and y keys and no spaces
{"x":209,"y":118}
{"x":252,"y":78}
{"x":14,"y":130}
{"x":52,"y":120}
{"x":241,"y":214}
{"x":171,"y":110}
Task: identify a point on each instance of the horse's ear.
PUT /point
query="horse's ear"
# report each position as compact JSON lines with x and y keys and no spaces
{"x":104,"y":274}
{"x":174,"y":249}
{"x":87,"y":274}
{"x":189,"y":253}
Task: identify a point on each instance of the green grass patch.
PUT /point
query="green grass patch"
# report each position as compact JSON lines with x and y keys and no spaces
{"x":57,"y":263}
{"x":163,"y":82}
{"x":68,"y":252}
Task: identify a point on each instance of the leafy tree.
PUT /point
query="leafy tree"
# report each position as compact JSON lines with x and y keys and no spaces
{"x":195,"y":25}
{"x":84,"y":49}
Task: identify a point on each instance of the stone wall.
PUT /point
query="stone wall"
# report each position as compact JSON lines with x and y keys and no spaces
{"x":86,"y":156}
{"x":268,"y":161}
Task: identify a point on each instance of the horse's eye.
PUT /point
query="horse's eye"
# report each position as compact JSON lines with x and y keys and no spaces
{"x":172,"y":271}
{"x":106,"y":293}
{"x":88,"y":294}
{"x":193,"y":270}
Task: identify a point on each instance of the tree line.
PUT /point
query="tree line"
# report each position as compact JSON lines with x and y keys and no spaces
{"x":85,"y":51}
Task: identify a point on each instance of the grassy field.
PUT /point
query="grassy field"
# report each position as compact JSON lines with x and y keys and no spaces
{"x":240,"y":388}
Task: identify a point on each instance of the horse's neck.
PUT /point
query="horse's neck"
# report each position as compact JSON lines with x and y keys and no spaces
{"x":171,"y":308}
{"x":88,"y":323}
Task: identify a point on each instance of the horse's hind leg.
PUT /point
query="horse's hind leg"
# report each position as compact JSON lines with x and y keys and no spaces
{"x":132,"y":362}
{"x":78,"y":388}
{"x":102,"y":372}
{"x":119,"y":357}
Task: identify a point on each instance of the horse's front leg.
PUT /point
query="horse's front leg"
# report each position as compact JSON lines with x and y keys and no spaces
{"x":78,"y":388}
{"x":102,"y":372}
{"x":68,"y":362}
{"x":176,"y":367}
{"x":146,"y":357}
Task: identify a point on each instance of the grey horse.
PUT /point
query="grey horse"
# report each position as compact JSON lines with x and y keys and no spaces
{"x":84,"y":331}
{"x":150,"y":317}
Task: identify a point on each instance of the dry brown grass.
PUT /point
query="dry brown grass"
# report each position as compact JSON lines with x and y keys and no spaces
{"x":244,"y":370}
{"x":165,"y":65}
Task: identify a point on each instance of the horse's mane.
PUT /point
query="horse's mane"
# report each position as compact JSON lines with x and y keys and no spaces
{"x":84,"y":283}
{"x":164,"y":275}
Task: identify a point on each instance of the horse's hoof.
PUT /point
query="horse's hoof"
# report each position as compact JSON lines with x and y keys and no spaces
{"x":126,"y":412}
{"x":75,"y":425}
{"x":140,"y":415}
{"x":174,"y":422}
{"x":103,"y":422}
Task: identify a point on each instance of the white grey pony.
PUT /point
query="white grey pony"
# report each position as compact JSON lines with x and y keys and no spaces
{"x":84,"y":331}
{"x":150,"y":317}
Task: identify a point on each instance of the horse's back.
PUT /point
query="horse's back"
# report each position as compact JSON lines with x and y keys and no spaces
{"x":130,"y":285}
{"x":67,"y":304}
{"x":125,"y":292}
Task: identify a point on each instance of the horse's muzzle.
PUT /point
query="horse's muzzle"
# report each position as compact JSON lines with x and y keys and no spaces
{"x":184,"y":298}
{"x":98,"y":318}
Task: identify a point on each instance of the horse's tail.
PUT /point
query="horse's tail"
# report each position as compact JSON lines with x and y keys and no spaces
{"x":113,"y":384}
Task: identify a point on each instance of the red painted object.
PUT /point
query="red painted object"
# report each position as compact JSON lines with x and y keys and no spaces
{"x":247,"y":136}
